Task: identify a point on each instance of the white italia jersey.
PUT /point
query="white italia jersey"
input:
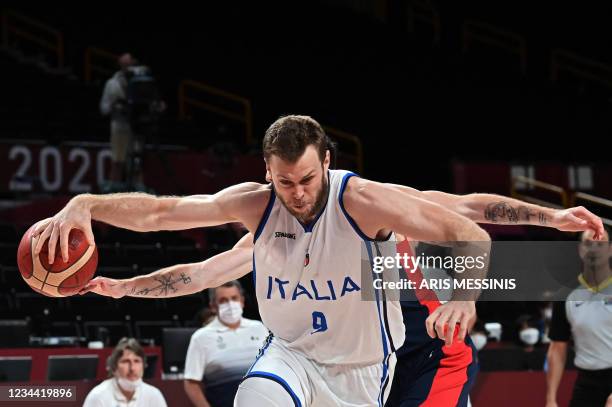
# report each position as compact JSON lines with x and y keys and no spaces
{"x":308,"y":284}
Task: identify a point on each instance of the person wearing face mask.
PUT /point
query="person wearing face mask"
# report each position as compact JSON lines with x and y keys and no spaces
{"x":220,"y":353}
{"x":528,"y":334}
{"x":478,"y":335}
{"x":585,"y":318}
{"x":125,"y":387}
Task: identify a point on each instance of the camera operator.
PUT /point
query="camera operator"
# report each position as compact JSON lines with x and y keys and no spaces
{"x":132,"y":100}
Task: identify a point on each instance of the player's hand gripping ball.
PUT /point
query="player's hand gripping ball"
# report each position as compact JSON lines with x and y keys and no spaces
{"x":58,"y":279}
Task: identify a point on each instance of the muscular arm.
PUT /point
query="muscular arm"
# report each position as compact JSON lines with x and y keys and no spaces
{"x":498,"y":209}
{"x":557,"y":354}
{"x":182,"y":279}
{"x":486,"y":208}
{"x":144,"y":213}
{"x":376,"y":206}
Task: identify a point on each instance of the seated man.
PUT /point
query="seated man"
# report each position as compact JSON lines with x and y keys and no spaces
{"x":221,"y":352}
{"x":125,"y":386}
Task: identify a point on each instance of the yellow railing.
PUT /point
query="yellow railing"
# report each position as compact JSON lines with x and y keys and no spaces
{"x":567,"y":199}
{"x":185,"y":101}
{"x":91,"y":66}
{"x":342,"y":136}
{"x":425,"y":12}
{"x":519,"y":179}
{"x":562,"y":60}
{"x":492,"y":35}
{"x":33,"y":31}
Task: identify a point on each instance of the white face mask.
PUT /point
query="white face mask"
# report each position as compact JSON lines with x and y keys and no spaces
{"x":128,"y":385}
{"x":479,"y":340}
{"x":529,"y":336}
{"x":230,"y":312}
{"x":548,"y":313}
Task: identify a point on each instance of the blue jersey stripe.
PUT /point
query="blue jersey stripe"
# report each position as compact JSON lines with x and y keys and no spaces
{"x":266,"y":214}
{"x":279,"y":380}
{"x":383,"y":333}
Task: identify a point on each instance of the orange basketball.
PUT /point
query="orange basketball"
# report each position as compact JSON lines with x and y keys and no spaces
{"x":58,"y":279}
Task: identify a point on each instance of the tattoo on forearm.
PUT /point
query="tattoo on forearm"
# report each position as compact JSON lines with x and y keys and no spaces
{"x":166,"y":285}
{"x":500,"y":212}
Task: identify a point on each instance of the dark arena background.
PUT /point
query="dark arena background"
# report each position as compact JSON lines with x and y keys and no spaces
{"x":504,"y":97}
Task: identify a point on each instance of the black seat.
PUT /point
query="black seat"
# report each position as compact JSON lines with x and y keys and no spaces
{"x":72,"y":367}
{"x":15,"y":368}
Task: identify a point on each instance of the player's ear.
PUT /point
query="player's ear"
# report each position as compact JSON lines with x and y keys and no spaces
{"x":268,"y":175}
{"x":326,"y":160}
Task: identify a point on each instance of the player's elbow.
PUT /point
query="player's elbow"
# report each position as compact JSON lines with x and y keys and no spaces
{"x":161,"y":216}
{"x":457,"y":228}
{"x":468,"y":231}
{"x":147,"y":223}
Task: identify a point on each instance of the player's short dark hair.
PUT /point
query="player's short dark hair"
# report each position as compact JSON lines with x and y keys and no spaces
{"x":212,"y":293}
{"x":289,"y":136}
{"x":123,"y":345}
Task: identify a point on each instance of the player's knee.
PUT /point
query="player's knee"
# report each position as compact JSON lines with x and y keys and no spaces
{"x":261,"y":392}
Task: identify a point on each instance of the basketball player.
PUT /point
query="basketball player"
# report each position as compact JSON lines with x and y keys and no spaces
{"x":329,"y":347}
{"x":427,"y":370}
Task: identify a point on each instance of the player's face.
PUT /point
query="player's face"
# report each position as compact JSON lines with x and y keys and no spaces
{"x":130,"y":366}
{"x":226,"y":294}
{"x":301,"y":186}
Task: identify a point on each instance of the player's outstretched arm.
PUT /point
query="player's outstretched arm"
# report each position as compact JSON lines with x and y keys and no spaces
{"x":491,"y":208}
{"x":145,"y":213}
{"x":182,"y":279}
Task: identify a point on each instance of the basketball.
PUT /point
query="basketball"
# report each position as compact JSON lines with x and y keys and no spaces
{"x":58,"y":279}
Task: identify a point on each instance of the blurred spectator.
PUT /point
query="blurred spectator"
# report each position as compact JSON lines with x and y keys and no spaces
{"x":528,"y":332}
{"x":114,"y":104}
{"x":586,"y":318}
{"x":220,"y":353}
{"x":131,"y":98}
{"x":125,"y":386}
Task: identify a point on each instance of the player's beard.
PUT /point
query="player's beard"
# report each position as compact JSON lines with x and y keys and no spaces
{"x":320,"y":200}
